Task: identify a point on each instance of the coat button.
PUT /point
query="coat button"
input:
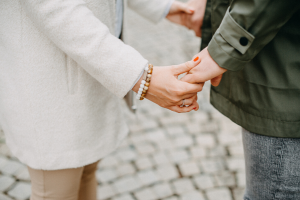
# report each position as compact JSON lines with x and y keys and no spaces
{"x":244,"y":41}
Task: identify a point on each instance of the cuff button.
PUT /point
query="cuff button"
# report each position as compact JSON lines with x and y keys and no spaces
{"x":244,"y":41}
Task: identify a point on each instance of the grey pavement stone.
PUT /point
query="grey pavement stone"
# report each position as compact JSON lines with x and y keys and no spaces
{"x":127,"y":154}
{"x":176,"y":130}
{"x":127,"y":184}
{"x":225,"y":179}
{"x":183,"y":141}
{"x":198,"y":152}
{"x":179,"y":156}
{"x":162,"y":190}
{"x":238,"y":193}
{"x":236,"y":150}
{"x":226,"y":138}
{"x":192,"y":195}
{"x":167,"y":172}
{"x":204,"y":181}
{"x":206,"y":140}
{"x":106,"y":175}
{"x":144,"y":163}
{"x":12,"y":167}
{"x":212,"y":165}
{"x":22,"y":190}
{"x":165,"y":144}
{"x":124,"y":197}
{"x":145,"y":194}
{"x":218,"y":151}
{"x":109,"y":161}
{"x":171,"y":198}
{"x":4,"y":197}
{"x":189,"y":168}
{"x":219,"y":193}
{"x":183,"y":185}
{"x":105,"y":192}
{"x":148,"y":177}
{"x":145,"y":148}
{"x":23,"y":175}
{"x":161,"y":158}
{"x":6,"y":182}
{"x":241,"y":179}
{"x":235,"y":164}
{"x":3,"y":161}
{"x":156,"y":135}
{"x":125,"y":169}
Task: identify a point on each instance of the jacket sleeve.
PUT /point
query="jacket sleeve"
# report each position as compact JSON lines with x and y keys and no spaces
{"x":73,"y":28}
{"x":246,"y":28}
{"x":152,"y":10}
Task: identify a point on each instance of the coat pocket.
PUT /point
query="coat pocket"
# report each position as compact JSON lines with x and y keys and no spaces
{"x":72,"y":75}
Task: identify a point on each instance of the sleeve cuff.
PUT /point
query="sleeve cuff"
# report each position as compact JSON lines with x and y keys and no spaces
{"x":167,"y":10}
{"x":229,"y":45}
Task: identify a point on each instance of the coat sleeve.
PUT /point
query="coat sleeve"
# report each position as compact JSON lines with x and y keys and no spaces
{"x":246,"y":28}
{"x":73,"y":28}
{"x":152,"y":10}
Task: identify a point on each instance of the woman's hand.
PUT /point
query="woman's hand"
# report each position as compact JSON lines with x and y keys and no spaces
{"x":167,"y":91}
{"x":179,"y":12}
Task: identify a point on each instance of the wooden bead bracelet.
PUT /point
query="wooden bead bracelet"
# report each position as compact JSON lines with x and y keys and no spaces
{"x":145,"y":82}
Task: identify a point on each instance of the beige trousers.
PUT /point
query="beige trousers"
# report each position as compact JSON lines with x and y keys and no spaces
{"x":67,"y":184}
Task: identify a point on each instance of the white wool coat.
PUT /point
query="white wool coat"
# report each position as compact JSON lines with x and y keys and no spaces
{"x":62,"y":76}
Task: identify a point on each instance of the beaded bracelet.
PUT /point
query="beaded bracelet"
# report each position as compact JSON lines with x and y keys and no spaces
{"x":145,"y":82}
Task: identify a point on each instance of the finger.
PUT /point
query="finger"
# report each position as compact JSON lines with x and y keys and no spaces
{"x":186,"y":67}
{"x":191,"y":89}
{"x":189,"y":101}
{"x":185,"y":8}
{"x":178,"y":109}
{"x":192,"y":78}
{"x":216,"y":81}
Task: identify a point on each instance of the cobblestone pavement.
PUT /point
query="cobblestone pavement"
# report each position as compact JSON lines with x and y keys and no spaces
{"x":167,"y":156}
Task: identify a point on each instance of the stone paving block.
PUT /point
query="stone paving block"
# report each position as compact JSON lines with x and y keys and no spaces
{"x":5,"y":197}
{"x":183,"y":185}
{"x":148,"y":177}
{"x":212,"y":165}
{"x":6,"y":182}
{"x":178,"y":156}
{"x":162,"y":190}
{"x":204,"y":181}
{"x":125,"y":169}
{"x":127,"y":184}
{"x":145,"y":148}
{"x":156,"y":135}
{"x":235,"y":164}
{"x":200,"y":117}
{"x":161,"y":158}
{"x":108,"y":162}
{"x":106,"y":175}
{"x":127,"y":154}
{"x":183,"y":141}
{"x":218,"y":151}
{"x":12,"y":167}
{"x":238,"y":193}
{"x":175,"y":119}
{"x":192,"y":195}
{"x":193,"y":128}
{"x":149,"y":124}
{"x":226,"y":138}
{"x":175,"y":130}
{"x":209,"y":127}
{"x":3,"y":161}
{"x":167,"y":172}
{"x":189,"y":168}
{"x":236,"y":150}
{"x":23,"y":175}
{"x":165,"y":145}
{"x":219,"y":193}
{"x":105,"y":192}
{"x":22,"y":190}
{"x":144,"y":163}
{"x":4,"y":150}
{"x":198,"y":152}
{"x":145,"y":194}
{"x":137,"y":139}
{"x":124,"y":197}
{"x":225,"y":179}
{"x":241,"y":179}
{"x":206,"y":140}
{"x":171,"y":198}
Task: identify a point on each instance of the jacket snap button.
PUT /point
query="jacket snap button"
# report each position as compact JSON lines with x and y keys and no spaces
{"x":244,"y":41}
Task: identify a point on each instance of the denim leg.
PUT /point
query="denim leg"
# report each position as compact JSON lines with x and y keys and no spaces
{"x":272,"y":167}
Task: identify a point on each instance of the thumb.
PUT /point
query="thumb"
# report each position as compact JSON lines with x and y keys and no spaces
{"x":216,"y":81}
{"x":186,"y":67}
{"x":178,"y":7}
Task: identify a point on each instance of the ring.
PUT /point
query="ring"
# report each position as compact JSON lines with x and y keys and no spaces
{"x":183,"y":100}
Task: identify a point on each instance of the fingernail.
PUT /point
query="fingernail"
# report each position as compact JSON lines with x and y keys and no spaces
{"x":192,"y":11}
{"x":195,"y":108}
{"x":196,"y":59}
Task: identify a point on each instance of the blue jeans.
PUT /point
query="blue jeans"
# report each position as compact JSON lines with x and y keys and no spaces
{"x":272,"y":167}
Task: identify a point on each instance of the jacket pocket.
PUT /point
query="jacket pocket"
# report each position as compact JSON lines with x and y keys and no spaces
{"x":72,"y":75}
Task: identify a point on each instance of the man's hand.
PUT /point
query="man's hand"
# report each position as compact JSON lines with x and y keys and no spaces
{"x":194,"y":21}
{"x":206,"y":70}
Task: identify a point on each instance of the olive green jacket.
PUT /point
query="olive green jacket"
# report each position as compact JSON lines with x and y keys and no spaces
{"x":258,"y":41}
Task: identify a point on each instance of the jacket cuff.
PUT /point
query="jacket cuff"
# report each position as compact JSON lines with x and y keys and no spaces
{"x":229,"y":44}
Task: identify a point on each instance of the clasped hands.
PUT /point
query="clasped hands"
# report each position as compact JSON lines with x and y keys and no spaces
{"x":169,"y":92}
